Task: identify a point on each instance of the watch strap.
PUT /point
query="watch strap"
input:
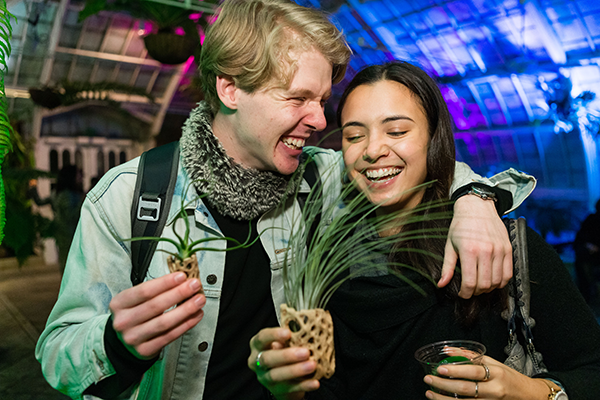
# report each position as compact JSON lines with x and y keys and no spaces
{"x":504,"y":197}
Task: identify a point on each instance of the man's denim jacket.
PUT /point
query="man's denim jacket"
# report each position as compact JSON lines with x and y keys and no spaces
{"x":71,"y":348}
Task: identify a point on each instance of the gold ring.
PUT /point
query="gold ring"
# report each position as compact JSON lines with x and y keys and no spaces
{"x":487,"y":372}
{"x":476,"y":390}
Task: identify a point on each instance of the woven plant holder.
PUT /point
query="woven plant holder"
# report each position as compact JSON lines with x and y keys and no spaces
{"x":189,"y":266}
{"x":313,"y":330}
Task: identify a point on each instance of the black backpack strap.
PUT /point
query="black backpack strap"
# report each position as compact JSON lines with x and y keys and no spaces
{"x":156,"y":178}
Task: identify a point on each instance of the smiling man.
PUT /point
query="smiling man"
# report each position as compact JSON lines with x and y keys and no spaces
{"x":267,"y":67}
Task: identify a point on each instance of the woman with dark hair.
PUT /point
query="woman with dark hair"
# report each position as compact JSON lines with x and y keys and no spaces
{"x":396,"y":135}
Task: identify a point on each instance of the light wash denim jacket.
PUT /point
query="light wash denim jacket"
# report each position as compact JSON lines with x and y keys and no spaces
{"x":71,"y":348}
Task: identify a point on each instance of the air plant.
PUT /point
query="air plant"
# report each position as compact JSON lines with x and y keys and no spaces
{"x":183,"y":257}
{"x":322,"y":256}
{"x":5,"y":127}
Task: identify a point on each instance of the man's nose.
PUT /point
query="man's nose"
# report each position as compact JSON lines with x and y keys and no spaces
{"x":315,"y":118}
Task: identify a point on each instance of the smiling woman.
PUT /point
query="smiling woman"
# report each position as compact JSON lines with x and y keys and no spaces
{"x":397,"y":137}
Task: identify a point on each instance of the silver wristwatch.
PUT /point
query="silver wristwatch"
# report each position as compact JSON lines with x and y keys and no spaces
{"x":557,"y":394}
{"x":482,"y":193}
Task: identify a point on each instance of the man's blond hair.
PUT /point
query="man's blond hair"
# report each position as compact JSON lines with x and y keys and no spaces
{"x":257,"y":43}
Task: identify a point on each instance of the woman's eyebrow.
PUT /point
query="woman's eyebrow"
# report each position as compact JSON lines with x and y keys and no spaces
{"x":353,"y":123}
{"x":396,"y":118}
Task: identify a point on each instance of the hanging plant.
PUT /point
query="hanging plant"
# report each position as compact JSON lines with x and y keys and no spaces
{"x":68,"y":93}
{"x":174,"y":37}
{"x":5,"y":127}
{"x":317,"y":263}
{"x":47,"y":97}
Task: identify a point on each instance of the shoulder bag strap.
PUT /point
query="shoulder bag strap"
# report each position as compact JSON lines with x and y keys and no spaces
{"x":156,"y":178}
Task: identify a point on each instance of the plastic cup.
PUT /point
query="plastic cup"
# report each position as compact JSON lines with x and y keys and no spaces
{"x":449,"y":352}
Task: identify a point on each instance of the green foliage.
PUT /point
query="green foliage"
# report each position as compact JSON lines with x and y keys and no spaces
{"x":5,"y":127}
{"x":315,"y":266}
{"x":23,"y":228}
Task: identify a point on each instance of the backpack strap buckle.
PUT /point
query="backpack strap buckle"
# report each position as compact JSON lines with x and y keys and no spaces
{"x":149,"y":208}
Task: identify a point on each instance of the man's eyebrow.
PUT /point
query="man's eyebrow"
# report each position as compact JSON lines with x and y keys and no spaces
{"x":308,"y":93}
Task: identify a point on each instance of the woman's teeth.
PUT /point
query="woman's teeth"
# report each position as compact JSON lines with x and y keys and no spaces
{"x":382,"y":174}
{"x":292,"y":143}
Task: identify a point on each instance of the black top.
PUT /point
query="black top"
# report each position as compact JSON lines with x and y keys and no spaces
{"x":246,"y":307}
{"x":379,"y":322}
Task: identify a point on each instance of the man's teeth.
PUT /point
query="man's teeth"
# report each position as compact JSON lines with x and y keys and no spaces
{"x":382,"y":174}
{"x":293,"y":143}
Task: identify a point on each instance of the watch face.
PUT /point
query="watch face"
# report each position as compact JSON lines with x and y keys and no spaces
{"x":561,"y":395}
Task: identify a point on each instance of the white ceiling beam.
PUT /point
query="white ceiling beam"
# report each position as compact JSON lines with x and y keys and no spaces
{"x":53,"y":42}
{"x":480,"y":103}
{"x":546,"y":32}
{"x":167,"y":97}
{"x":523,"y":96}
{"x":20,"y":53}
{"x":108,"y":56}
{"x":500,"y":99}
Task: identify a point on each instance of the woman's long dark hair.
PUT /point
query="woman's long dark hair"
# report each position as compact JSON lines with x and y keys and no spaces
{"x":440,"y":168}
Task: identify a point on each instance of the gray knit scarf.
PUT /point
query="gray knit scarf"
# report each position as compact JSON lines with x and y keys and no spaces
{"x":235,"y":191}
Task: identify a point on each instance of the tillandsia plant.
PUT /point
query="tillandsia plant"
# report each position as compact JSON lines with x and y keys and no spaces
{"x":183,"y":257}
{"x":322,"y":256}
{"x":5,"y":127}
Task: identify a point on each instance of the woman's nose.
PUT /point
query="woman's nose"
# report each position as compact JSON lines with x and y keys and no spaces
{"x":375,"y":149}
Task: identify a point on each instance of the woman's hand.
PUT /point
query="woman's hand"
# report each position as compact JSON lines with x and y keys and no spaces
{"x":480,"y":240}
{"x":282,"y":370}
{"x":469,"y":381}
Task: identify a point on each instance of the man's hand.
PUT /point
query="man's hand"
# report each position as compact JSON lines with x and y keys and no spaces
{"x":139,"y":316}
{"x":282,"y":369}
{"x":480,"y":240}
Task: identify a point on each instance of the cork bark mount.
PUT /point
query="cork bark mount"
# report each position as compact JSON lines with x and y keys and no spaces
{"x":313,"y":330}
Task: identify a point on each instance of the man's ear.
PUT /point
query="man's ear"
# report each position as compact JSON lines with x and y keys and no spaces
{"x":227,"y":91}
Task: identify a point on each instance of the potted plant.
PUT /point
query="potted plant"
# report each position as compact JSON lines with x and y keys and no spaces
{"x":317,"y":263}
{"x":166,"y":43}
{"x":5,"y":127}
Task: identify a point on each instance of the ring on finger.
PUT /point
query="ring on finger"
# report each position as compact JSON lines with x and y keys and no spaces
{"x":487,"y":372}
{"x":260,"y":364}
{"x":476,"y":390}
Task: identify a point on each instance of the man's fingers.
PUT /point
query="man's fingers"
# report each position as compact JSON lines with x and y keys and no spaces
{"x":152,"y":347}
{"x":155,"y":306}
{"x":147,"y":290}
{"x":165,"y":322}
{"x":450,"y":259}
